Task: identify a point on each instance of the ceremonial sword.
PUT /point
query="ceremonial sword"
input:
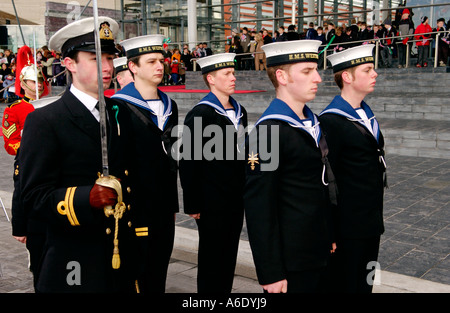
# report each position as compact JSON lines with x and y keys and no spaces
{"x":105,"y":179}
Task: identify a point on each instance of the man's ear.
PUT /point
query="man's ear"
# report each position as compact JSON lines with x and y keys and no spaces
{"x":211,"y":79}
{"x":347,"y":77}
{"x":132,"y":67}
{"x":70,"y":64}
{"x":282,"y":76}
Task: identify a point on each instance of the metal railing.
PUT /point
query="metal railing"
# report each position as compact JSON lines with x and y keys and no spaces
{"x":376,"y":41}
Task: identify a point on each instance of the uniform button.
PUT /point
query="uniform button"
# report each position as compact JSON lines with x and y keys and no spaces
{"x":129,"y":207}
{"x":128,"y":189}
{"x":108,"y":231}
{"x":126,"y":172}
{"x":129,"y":224}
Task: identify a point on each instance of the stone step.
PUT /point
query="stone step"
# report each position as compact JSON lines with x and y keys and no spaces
{"x":390,"y":80}
{"x":410,"y":106}
{"x":415,"y":106}
{"x":416,"y":138}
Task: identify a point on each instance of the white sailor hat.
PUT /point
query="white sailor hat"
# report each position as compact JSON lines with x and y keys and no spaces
{"x":120,"y":64}
{"x":142,"y":45}
{"x":286,"y":52}
{"x":351,"y":57}
{"x":216,"y":62}
{"x":79,"y":36}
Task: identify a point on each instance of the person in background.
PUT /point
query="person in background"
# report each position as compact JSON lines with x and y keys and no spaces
{"x":405,"y":27}
{"x":282,"y":35}
{"x":423,"y":43}
{"x":444,"y":41}
{"x":266,"y":37}
{"x":387,"y":44}
{"x":123,"y":75}
{"x":237,"y":49}
{"x":292,"y":33}
{"x":57,"y":68}
{"x":260,"y":56}
{"x":207,"y":49}
{"x":311,"y":33}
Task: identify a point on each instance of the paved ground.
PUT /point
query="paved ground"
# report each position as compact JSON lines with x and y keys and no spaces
{"x":414,"y":254}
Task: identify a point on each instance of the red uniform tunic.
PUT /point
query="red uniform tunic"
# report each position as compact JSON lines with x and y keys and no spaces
{"x":12,"y":123}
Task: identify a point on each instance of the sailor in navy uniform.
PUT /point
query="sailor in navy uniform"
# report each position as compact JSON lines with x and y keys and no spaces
{"x":286,"y":194}
{"x":357,"y":157}
{"x":213,"y":185}
{"x":61,"y":158}
{"x":154,"y":115}
{"x":123,"y":75}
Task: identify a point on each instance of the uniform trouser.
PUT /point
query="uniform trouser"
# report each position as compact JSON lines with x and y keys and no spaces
{"x":157,"y":256}
{"x":219,"y":234}
{"x":351,"y":267}
{"x":35,"y":246}
{"x":308,"y":281}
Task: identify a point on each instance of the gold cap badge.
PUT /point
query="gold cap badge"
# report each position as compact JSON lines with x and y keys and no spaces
{"x":105,"y":32}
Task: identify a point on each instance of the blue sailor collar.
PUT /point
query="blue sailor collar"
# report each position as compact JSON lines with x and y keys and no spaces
{"x":341,"y":107}
{"x":131,"y":95}
{"x":211,"y":100}
{"x":279,"y":110}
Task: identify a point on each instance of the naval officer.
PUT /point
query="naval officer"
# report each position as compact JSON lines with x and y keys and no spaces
{"x":61,"y":157}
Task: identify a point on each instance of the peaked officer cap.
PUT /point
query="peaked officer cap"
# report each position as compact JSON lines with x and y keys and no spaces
{"x":79,"y":36}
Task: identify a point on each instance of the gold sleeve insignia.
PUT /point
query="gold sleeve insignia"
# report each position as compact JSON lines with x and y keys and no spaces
{"x":141,"y":231}
{"x":66,"y":207}
{"x":7,"y":132}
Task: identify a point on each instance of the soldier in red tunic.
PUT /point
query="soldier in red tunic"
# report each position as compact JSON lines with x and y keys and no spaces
{"x":24,"y":229}
{"x":14,"y":116}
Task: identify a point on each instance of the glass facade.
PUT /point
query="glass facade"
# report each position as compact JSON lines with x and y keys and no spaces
{"x":34,"y":36}
{"x":214,"y":19}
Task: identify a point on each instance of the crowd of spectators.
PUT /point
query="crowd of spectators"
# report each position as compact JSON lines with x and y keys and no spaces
{"x":250,"y":56}
{"x":247,"y":43}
